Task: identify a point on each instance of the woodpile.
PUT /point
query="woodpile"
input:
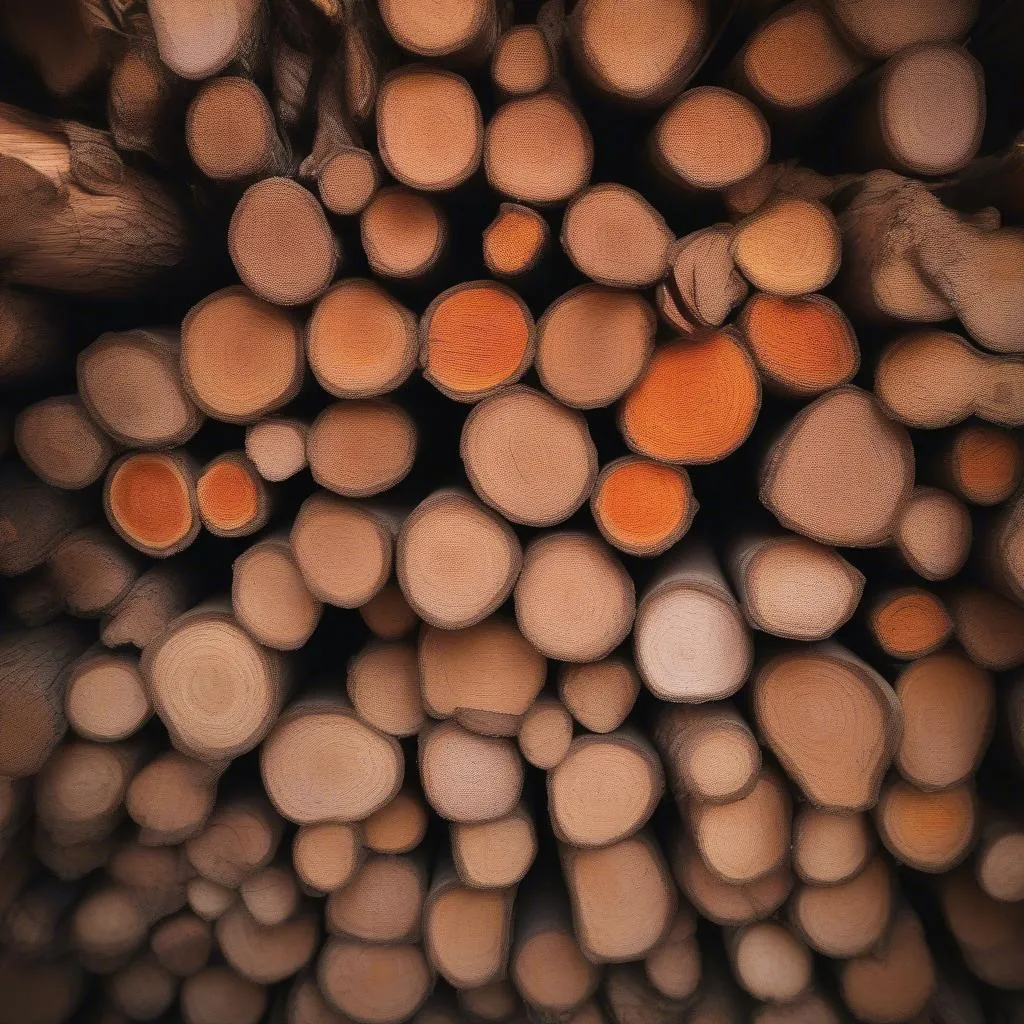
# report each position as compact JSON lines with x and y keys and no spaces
{"x":511,"y":512}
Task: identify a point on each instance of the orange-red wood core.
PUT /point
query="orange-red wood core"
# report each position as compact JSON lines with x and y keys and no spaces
{"x":513,"y":240}
{"x":696,"y":401}
{"x":912,"y":621}
{"x":641,"y":503}
{"x":477,"y":339}
{"x":149,"y":498}
{"x":803,"y":343}
{"x":227,"y":495}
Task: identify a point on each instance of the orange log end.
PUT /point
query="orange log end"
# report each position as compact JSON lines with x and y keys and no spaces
{"x":149,"y":500}
{"x":643,"y":507}
{"x":805,"y":345}
{"x":479,"y":336}
{"x":911,"y":623}
{"x":227,"y":496}
{"x":513,"y":240}
{"x":696,"y":402}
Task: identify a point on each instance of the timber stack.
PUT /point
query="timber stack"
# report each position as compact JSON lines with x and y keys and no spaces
{"x":512,"y":512}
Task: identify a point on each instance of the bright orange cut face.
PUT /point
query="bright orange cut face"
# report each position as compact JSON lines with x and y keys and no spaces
{"x":642,"y":503}
{"x":696,"y":402}
{"x":804,"y":343}
{"x":149,"y":498}
{"x":227,"y":495}
{"x":477,"y":339}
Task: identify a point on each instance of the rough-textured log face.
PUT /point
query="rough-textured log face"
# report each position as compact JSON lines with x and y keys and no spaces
{"x":792,"y":587}
{"x":348,"y":181}
{"x":990,"y":628}
{"x":929,"y":831}
{"x":910,"y":623}
{"x":217,"y":340}
{"x":344,"y":551}
{"x":593,"y":343}
{"x":404,"y":233}
{"x":522,"y":62}
{"x":382,"y":902}
{"x":985,"y":464}
{"x":276,"y":446}
{"x":514,"y":242}
{"x":383,"y":685}
{"x":230,"y":130}
{"x":848,"y":918}
{"x":788,"y":87}
{"x":216,"y":690}
{"x":538,"y":149}
{"x":574,"y":599}
{"x":832,"y":721}
{"x":881,"y":29}
{"x":616,"y":237}
{"x":690,"y":641}
{"x":949,"y":696}
{"x":374,"y":984}
{"x":454,"y":29}
{"x":622,"y":898}
{"x":696,"y":402}
{"x":487,"y":675}
{"x":320,"y":763}
{"x":812,"y":478}
{"x":494,"y":854}
{"x":469,"y":778}
{"x":803,"y":346}
{"x":231,"y":497}
{"x":359,"y":341}
{"x":151,"y":502}
{"x":106,"y":699}
{"x":555,"y":460}
{"x":360,"y":448}
{"x":399,"y":826}
{"x":894,"y":982}
{"x":410,"y":100}
{"x":601,"y":694}
{"x":59,"y":442}
{"x":917,"y":137}
{"x":545,"y":733}
{"x":604,"y":789}
{"x":280,"y":242}
{"x":326,"y":855}
{"x":711,"y":138}
{"x":643,"y":54}
{"x":829,"y":847}
{"x":476,"y":337}
{"x":196,"y":41}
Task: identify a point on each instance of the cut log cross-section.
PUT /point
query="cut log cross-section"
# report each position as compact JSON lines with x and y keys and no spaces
{"x":404,"y":233}
{"x":150,"y":500}
{"x":545,"y":733}
{"x":690,"y":641}
{"x":604,"y":789}
{"x":216,"y":690}
{"x":831,"y":720}
{"x":812,"y":479}
{"x":909,"y":622}
{"x":456,"y":560}
{"x":494,"y":854}
{"x":59,"y":442}
{"x":515,"y":242}
{"x":321,"y":763}
{"x":232,"y":498}
{"x":696,"y":402}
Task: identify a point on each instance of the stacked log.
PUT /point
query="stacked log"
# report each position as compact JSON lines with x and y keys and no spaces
{"x":488,"y":535}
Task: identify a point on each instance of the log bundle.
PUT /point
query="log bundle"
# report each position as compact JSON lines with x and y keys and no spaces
{"x":511,"y":512}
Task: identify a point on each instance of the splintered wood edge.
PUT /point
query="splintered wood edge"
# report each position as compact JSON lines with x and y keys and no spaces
{"x":880,"y":691}
{"x":513,"y":379}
